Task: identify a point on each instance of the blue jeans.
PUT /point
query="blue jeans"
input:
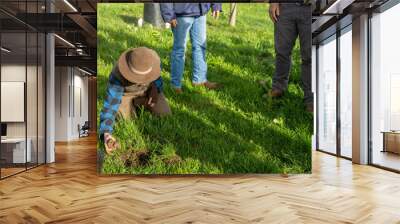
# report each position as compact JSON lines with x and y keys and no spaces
{"x":196,"y":26}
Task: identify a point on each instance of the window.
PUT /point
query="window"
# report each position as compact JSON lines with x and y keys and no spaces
{"x":385,"y":89}
{"x":346,"y":92}
{"x":335,"y":137}
{"x":327,"y":95}
{"x":22,"y":77}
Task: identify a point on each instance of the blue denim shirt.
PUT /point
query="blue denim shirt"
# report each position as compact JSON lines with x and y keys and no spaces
{"x":170,"y":11}
{"x":114,"y":93}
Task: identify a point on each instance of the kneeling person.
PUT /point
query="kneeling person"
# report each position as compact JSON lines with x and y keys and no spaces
{"x":134,"y":81}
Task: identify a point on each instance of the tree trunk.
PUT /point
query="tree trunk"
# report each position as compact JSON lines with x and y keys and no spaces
{"x":152,"y":14}
{"x":232,"y":14}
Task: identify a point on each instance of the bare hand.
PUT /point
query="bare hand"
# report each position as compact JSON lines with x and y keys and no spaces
{"x":110,"y":142}
{"x":274,"y":11}
{"x":150,"y":102}
{"x":215,"y":14}
{"x":173,"y":23}
{"x":107,"y":136}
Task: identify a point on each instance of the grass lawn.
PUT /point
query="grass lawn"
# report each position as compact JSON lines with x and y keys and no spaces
{"x":233,"y":130}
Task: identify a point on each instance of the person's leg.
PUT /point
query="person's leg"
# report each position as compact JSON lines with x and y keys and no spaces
{"x":126,"y":109}
{"x":285,"y":36}
{"x":304,"y":27}
{"x":180,"y":33}
{"x":198,"y":39}
{"x":161,"y":108}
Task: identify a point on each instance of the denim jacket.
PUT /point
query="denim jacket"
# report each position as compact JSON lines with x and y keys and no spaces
{"x":170,"y":11}
{"x":115,"y":91}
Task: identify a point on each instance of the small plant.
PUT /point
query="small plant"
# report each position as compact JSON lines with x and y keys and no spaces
{"x":136,"y":158}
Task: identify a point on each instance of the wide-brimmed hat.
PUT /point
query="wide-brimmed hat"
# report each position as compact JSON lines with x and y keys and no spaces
{"x":139,"y":65}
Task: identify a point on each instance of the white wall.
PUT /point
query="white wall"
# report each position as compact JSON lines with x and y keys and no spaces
{"x":80,"y":85}
{"x":13,"y":72}
{"x":61,"y":103}
{"x":70,"y":83}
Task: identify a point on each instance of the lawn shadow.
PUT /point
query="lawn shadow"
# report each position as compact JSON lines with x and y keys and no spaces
{"x":225,"y":140}
{"x":197,"y":133}
{"x":248,"y":95}
{"x":244,"y":53}
{"x":132,"y":20}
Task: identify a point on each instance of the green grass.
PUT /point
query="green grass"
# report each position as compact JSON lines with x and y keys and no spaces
{"x":233,"y":130}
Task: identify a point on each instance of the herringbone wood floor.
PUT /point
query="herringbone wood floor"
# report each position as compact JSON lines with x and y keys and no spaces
{"x":70,"y":191}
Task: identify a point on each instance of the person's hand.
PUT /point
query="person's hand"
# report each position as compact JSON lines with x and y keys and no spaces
{"x":215,"y":14}
{"x":107,"y":136}
{"x":173,"y":23}
{"x":110,"y":143}
{"x":151,"y":102}
{"x":152,"y":95}
{"x":274,"y":11}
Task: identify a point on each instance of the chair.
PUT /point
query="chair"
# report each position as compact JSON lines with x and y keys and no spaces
{"x":84,"y":130}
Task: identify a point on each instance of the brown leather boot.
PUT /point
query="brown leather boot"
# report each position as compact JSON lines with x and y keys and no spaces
{"x":275,"y":93}
{"x":208,"y":85}
{"x":178,"y":90}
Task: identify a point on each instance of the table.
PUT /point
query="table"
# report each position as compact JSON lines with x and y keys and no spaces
{"x":391,"y":141}
{"x":16,"y":147}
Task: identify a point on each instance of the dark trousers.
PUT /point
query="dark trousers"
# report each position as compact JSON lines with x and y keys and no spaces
{"x":294,"y":21}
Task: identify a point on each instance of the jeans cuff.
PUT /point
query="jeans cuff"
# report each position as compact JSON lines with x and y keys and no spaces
{"x":278,"y":87}
{"x":308,"y":100}
{"x":199,"y":82}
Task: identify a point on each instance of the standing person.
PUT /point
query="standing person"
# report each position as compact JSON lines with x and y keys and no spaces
{"x":189,"y":18}
{"x":292,"y":20}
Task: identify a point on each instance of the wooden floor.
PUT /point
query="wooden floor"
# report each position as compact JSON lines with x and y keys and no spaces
{"x":387,"y":159}
{"x":10,"y":171}
{"x":70,"y":191}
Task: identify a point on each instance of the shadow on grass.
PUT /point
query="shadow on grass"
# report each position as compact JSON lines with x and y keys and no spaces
{"x":224,"y":139}
{"x":230,"y":142}
{"x":246,"y":134}
{"x":132,"y":20}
